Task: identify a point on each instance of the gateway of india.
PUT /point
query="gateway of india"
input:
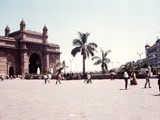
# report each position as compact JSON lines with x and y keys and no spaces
{"x":26,"y":51}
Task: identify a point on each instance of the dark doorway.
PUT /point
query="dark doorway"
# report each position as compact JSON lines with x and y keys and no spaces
{"x":11,"y":72}
{"x":34,"y":63}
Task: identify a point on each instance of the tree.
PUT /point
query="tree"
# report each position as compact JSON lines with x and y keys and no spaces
{"x":63,"y":67}
{"x":82,"y":46}
{"x":129,"y":66}
{"x":103,"y":60}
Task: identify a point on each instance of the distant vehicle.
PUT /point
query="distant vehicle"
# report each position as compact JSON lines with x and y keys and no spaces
{"x":143,"y":71}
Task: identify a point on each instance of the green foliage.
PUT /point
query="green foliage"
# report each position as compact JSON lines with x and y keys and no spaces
{"x":81,"y":45}
{"x":63,"y":67}
{"x":103,"y":60}
{"x":130,"y":66}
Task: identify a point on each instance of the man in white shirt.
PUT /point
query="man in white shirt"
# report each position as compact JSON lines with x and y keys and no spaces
{"x":126,"y":76}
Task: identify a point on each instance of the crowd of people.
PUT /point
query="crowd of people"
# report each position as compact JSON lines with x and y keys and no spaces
{"x":133,"y":81}
{"x":128,"y":76}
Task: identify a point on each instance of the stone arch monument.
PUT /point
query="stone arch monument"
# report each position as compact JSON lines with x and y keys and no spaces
{"x":27,"y":50}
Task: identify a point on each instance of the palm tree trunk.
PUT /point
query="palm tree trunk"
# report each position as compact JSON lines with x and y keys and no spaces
{"x":103,"y":71}
{"x":84,"y":69}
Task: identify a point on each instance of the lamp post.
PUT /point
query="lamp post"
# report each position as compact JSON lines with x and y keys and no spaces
{"x":112,"y":64}
{"x":70,"y":60}
{"x":140,"y":54}
{"x":118,"y":62}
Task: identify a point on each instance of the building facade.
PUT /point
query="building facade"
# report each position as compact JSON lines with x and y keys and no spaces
{"x":25,"y":51}
{"x":153,"y":54}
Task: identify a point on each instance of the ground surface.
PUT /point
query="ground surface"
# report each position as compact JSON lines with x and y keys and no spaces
{"x":75,"y":100}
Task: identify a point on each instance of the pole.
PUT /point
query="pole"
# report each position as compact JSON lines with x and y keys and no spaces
{"x":71,"y":64}
{"x":140,"y":54}
{"x":140,"y":57}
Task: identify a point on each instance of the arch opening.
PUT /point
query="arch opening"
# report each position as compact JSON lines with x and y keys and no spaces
{"x":34,"y":64}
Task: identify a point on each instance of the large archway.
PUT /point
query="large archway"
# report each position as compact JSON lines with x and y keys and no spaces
{"x":34,"y":63}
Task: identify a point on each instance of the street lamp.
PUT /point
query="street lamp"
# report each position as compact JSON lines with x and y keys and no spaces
{"x":140,"y":54}
{"x":118,"y":63}
{"x":112,"y":64}
{"x":70,"y":60}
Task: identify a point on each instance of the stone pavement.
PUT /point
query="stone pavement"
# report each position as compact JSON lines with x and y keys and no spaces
{"x":75,"y":100}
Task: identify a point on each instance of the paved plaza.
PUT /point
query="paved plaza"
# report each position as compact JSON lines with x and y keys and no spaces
{"x":75,"y":100}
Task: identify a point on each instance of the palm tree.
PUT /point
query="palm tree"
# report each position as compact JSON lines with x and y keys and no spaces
{"x":63,"y":67}
{"x":82,"y":46}
{"x":129,"y":66}
{"x":103,"y":60}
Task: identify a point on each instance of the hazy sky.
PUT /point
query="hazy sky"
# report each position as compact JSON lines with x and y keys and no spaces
{"x":123,"y":26}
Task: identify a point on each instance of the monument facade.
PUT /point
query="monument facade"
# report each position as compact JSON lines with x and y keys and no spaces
{"x":25,"y":51}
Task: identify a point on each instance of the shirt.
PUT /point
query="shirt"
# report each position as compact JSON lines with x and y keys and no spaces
{"x":126,"y":74}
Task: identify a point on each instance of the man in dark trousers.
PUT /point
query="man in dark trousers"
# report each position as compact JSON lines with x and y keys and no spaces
{"x":126,"y":76}
{"x":147,"y":75}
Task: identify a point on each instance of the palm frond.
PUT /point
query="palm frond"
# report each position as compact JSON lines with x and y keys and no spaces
{"x":77,"y":42}
{"x":95,"y":58}
{"x":83,"y":37}
{"x":93,"y":45}
{"x":98,"y":62}
{"x":106,"y":53}
{"x":75,"y":51}
{"x":106,"y":60}
{"x":88,"y":53}
{"x":91,"y":52}
{"x":86,"y":37}
{"x":59,"y":70}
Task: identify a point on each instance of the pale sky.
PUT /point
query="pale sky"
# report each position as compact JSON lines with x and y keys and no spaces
{"x":123,"y":26}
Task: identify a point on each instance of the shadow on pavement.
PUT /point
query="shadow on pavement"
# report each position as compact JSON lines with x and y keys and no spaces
{"x":156,"y":95}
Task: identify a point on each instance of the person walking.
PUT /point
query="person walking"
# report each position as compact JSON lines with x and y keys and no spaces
{"x":147,"y":75}
{"x":126,"y":76}
{"x":85,"y":77}
{"x":112,"y":74}
{"x":89,"y":78}
{"x":49,"y":76}
{"x":46,"y":78}
{"x":134,"y":79}
{"x":59,"y":77}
